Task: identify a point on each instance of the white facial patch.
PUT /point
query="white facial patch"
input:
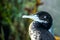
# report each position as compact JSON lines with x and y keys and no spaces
{"x":35,"y":18}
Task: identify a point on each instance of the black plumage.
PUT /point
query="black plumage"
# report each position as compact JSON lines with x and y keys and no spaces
{"x":37,"y":32}
{"x":48,"y":18}
{"x":38,"y":29}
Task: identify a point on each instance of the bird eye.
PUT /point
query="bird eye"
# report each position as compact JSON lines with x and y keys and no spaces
{"x":45,"y":16}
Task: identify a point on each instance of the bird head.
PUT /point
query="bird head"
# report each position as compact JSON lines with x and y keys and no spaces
{"x":42,"y":17}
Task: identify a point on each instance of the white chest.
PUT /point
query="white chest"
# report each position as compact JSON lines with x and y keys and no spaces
{"x":33,"y":33}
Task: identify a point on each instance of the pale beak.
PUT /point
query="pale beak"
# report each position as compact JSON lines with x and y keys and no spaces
{"x":34,"y":17}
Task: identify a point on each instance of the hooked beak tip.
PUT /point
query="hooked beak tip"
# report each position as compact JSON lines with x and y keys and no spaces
{"x":23,"y":16}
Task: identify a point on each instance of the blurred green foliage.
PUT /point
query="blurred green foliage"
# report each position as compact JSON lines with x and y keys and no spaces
{"x":11,"y":12}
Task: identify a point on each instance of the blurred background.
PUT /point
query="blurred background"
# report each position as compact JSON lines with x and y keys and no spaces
{"x":13,"y":27}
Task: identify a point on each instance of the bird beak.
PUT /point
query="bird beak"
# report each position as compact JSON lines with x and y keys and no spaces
{"x":34,"y":17}
{"x":29,"y":16}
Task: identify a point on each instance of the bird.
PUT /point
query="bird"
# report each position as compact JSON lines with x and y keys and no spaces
{"x":38,"y":28}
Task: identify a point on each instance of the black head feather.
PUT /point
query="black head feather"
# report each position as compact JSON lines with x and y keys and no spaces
{"x":43,"y":15}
